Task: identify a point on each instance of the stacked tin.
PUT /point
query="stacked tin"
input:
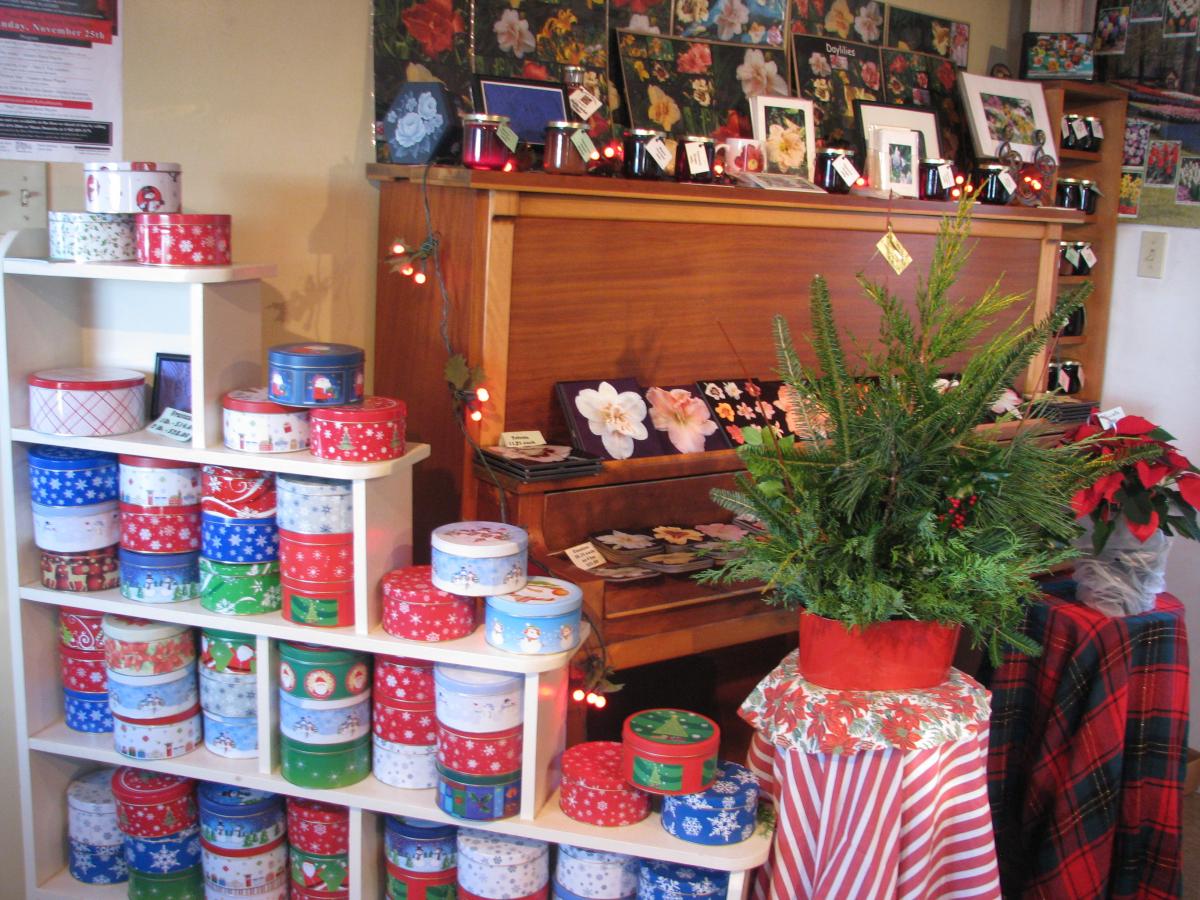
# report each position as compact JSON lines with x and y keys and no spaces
{"x":157,"y":814}
{"x":502,"y":867}
{"x":160,"y":530}
{"x":723,"y":813}
{"x":416,"y":610}
{"x":478,"y":559}
{"x":91,"y":237}
{"x":324,"y":715}
{"x":315,"y":374}
{"x":421,"y":857}
{"x":659,"y":880}
{"x":255,"y":424}
{"x":582,"y":874}
{"x":243,"y":846}
{"x":370,"y":431}
{"x":540,"y":618}
{"x":81,"y":664}
{"x":479,"y":725}
{"x":95,"y":845}
{"x":87,"y":401}
{"x":319,"y":853}
{"x":229,"y":693}
{"x":316,"y":537}
{"x":239,"y":560}
{"x":670,"y":751}
{"x":403,"y":722}
{"x":152,"y":687}
{"x":594,"y":789}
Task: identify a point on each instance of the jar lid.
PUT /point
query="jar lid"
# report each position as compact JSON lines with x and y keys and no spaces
{"x":183,"y":219}
{"x":992,"y":167}
{"x":86,"y":379}
{"x":92,"y":792}
{"x":64,"y":459}
{"x":414,"y":584}
{"x":151,"y":462}
{"x":1069,"y":362}
{"x":935,"y":161}
{"x":315,"y":353}
{"x":231,"y":799}
{"x":480,"y":540}
{"x":468,"y":680}
{"x":566,"y":125}
{"x":372,"y":409}
{"x":645,"y":132}
{"x":735,"y":787}
{"x":541,"y":596}
{"x":256,"y":400}
{"x":1069,"y":181}
{"x":139,"y":166}
{"x":484,"y":118}
{"x":318,"y":811}
{"x":697,"y":139}
{"x":1069,"y":116}
{"x":128,"y":509}
{"x":73,"y":512}
{"x":604,"y":857}
{"x":1091,"y":118}
{"x":312,"y":486}
{"x":141,"y":786}
{"x":499,"y":849}
{"x":654,"y":730}
{"x":595,"y":764}
{"x":421,"y":829}
{"x":837,"y":151}
{"x":129,"y":629}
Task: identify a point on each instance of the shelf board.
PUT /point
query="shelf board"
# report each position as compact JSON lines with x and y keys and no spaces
{"x":1071,"y":341}
{"x":1074,"y":279}
{"x":1080,"y":155}
{"x":646,"y":838}
{"x":471,"y":650}
{"x":300,"y":462}
{"x":132,"y":271}
{"x":63,"y":887}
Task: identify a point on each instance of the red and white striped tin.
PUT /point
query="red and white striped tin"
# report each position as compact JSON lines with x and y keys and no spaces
{"x":368,"y":432}
{"x":404,"y":723}
{"x":160,"y":529}
{"x":79,"y":629}
{"x":81,"y":572}
{"x":153,"y":804}
{"x":87,"y":402}
{"x":150,"y":482}
{"x":183,"y":239}
{"x":416,"y":610}
{"x":594,"y":789}
{"x":316,"y":558}
{"x":498,"y":753}
{"x":83,"y":670}
{"x":404,"y":680}
{"x":238,"y":493}
{"x":319,"y":828}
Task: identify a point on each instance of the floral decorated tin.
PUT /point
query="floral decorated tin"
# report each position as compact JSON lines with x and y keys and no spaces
{"x":403,"y":679}
{"x":92,"y":809}
{"x":402,"y":722}
{"x":325,"y":604}
{"x":96,"y":863}
{"x":501,"y":867}
{"x":238,"y":493}
{"x":316,"y":557}
{"x":183,"y":239}
{"x":315,"y":374}
{"x":234,"y":737}
{"x":227,"y":651}
{"x":164,"y":738}
{"x":723,"y":813}
{"x":477,"y":701}
{"x":152,"y":696}
{"x":595,"y":874}
{"x":324,"y":765}
{"x":79,"y":629}
{"x":238,"y":818}
{"x":147,"y":481}
{"x":324,"y":722}
{"x":309,"y":505}
{"x":91,"y":236}
{"x":415,"y":610}
{"x":159,"y":577}
{"x":87,"y":712}
{"x":239,"y":540}
{"x":366,"y":432}
{"x":478,"y":798}
{"x":479,"y":754}
{"x":476,"y":559}
{"x":66,"y":476}
{"x":595,"y":791}
{"x":160,"y":529}
{"x":251,"y":872}
{"x":253,"y":423}
{"x":133,"y":187}
{"x":153,"y":804}
{"x":76,"y":529}
{"x":82,"y":670}
{"x":307,"y":671}
{"x":143,"y":647}
{"x":87,"y":402}
{"x":228,"y":693}
{"x":240,"y":589}
{"x":88,"y":571}
{"x":318,"y":828}
{"x":325,"y":874}
{"x":409,"y":766}
{"x":405,"y":885}
{"x":170,"y":853}
{"x":417,"y":845}
{"x":185,"y":885}
{"x":659,"y":880}
{"x":670,"y":751}
{"x":542,"y":617}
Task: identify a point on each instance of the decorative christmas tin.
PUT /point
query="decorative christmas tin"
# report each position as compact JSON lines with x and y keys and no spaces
{"x":315,"y":374}
{"x":152,"y":696}
{"x":147,"y":481}
{"x":542,"y":617}
{"x":319,"y":873}
{"x":66,"y":476}
{"x":152,"y":804}
{"x":92,"y":809}
{"x":369,"y":432}
{"x":324,"y":604}
{"x":92,"y":237}
{"x":185,"y":885}
{"x":227,"y":651}
{"x":164,"y":738}
{"x":240,"y":589}
{"x":159,"y":577}
{"x":255,"y":424}
{"x":322,"y":673}
{"x":476,"y":559}
{"x":324,"y":722}
{"x":594,"y":789}
{"x":405,"y":885}
{"x":238,"y":493}
{"x":228,"y":693}
{"x":142,"y":647}
{"x":239,"y":540}
{"x":96,"y":863}
{"x":160,"y":529}
{"x":87,"y":712}
{"x":303,"y":893}
{"x":314,"y":505}
{"x":183,"y":239}
{"x":670,"y":751}
{"x":417,"y":845}
{"x":409,"y":766}
{"x":251,"y":872}
{"x":500,"y":866}
{"x":316,"y":557}
{"x":478,"y":798}
{"x":479,"y":754}
{"x":595,"y":874}
{"x":86,"y":572}
{"x":478,"y":701}
{"x":76,"y":529}
{"x":234,"y":737}
{"x":79,"y":629}
{"x":402,"y":722}
{"x":417,"y":611}
{"x":724,"y":813}
{"x":87,"y":402}
{"x":170,"y":853}
{"x":238,"y":818}
{"x":659,"y":880}
{"x":403,"y":679}
{"x":324,"y":765}
{"x":132,"y":187}
{"x":82,"y":670}
{"x":318,"y":828}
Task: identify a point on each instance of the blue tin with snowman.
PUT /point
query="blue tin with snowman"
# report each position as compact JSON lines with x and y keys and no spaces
{"x":478,"y":559}
{"x":230,"y":736}
{"x":724,"y":813}
{"x":153,"y":696}
{"x":238,"y":818}
{"x":542,"y":617}
{"x":324,"y":721}
{"x":159,"y":577}
{"x":417,"y":845}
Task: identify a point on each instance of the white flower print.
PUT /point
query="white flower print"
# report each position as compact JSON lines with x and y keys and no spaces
{"x":617,"y":418}
{"x":513,"y":34}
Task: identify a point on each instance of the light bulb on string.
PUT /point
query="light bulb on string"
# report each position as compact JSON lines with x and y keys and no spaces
{"x":577,"y":695}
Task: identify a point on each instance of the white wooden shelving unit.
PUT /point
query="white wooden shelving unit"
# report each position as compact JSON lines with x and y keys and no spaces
{"x":68,"y":314}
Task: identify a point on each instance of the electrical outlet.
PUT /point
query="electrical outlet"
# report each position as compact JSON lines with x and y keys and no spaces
{"x":22,"y":195}
{"x":1152,"y":257}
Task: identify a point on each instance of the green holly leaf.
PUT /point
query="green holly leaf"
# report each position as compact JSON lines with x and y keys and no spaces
{"x":477,"y":378}
{"x":457,"y":372}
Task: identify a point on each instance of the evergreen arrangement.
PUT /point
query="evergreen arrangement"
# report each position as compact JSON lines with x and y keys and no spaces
{"x":906,"y":508}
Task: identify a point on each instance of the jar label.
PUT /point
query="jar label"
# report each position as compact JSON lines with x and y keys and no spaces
{"x":1010,"y":183}
{"x":1097,"y":129}
{"x":1064,"y":126}
{"x":1079,"y":127}
{"x":1089,"y":255}
{"x":946,"y":175}
{"x":846,"y":169}
{"x":507,"y":136}
{"x":585,"y":556}
{"x":581,"y":142}
{"x":584,"y":103}
{"x":657,"y":148}
{"x":1071,"y":255}
{"x":696,"y":157}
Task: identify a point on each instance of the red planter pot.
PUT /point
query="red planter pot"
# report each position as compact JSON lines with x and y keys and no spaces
{"x":887,"y":656}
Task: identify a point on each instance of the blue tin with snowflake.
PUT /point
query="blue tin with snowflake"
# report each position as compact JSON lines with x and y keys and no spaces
{"x":238,"y":818}
{"x":478,"y":559}
{"x":659,"y":880}
{"x":231,"y":694}
{"x":309,"y":505}
{"x":96,"y":863}
{"x":417,"y":845}
{"x":724,"y":813}
{"x":542,"y":617}
{"x":152,"y":696}
{"x":159,"y":577}
{"x":238,"y":540}
{"x":87,"y":712}
{"x":64,"y":476}
{"x":164,"y":855}
{"x":229,"y":736}
{"x":324,"y":721}
{"x":583,"y":874}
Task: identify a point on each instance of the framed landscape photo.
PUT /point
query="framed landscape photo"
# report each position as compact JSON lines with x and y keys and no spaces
{"x":788,"y":131}
{"x":884,"y":115}
{"x":999,"y":110}
{"x":529,"y":105}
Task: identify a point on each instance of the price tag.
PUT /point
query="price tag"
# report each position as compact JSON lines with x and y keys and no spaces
{"x":893,"y":251}
{"x":1010,"y":183}
{"x":584,"y":103}
{"x":583,"y":143}
{"x":175,"y":424}
{"x":657,"y":148}
{"x":1071,"y":255}
{"x":1110,"y":417}
{"x":946,"y":175}
{"x":520,"y":439}
{"x":585,"y":555}
{"x":1097,"y":129}
{"x":508,"y":137}
{"x":1063,"y":127}
{"x":697,"y":158}
{"x":1064,"y":380}
{"x":1080,"y":128}
{"x":846,"y":169}
{"x":1089,"y":255}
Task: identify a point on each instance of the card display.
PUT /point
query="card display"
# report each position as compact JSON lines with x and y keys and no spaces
{"x":734,"y":404}
{"x":684,"y":421}
{"x":608,"y":418}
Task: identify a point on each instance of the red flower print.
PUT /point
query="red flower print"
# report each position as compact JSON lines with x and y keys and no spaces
{"x":907,"y":715}
{"x":636,"y":6}
{"x":535,"y":71}
{"x":434,"y":23}
{"x":899,"y":736}
{"x":696,"y":61}
{"x":833,"y":736}
{"x":846,"y":705}
{"x":898,"y":65}
{"x":736,"y":125}
{"x":735,"y":433}
{"x":945,"y":74}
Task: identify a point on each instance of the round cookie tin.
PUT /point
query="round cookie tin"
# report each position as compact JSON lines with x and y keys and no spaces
{"x":230,"y":736}
{"x":152,"y":696}
{"x":92,"y":809}
{"x":477,"y":559}
{"x":478,"y":701}
{"x":478,"y":798}
{"x":670,"y":751}
{"x":253,"y":872}
{"x":316,"y":557}
{"x":227,"y":693}
{"x":67,"y":476}
{"x":96,"y":863}
{"x":164,"y":855}
{"x":79,"y":629}
{"x":164,"y":738}
{"x":594,"y":789}
{"x":595,"y":874}
{"x":405,"y":723}
{"x":404,"y":679}
{"x":238,"y":818}
{"x":88,"y":713}
{"x":415,"y":610}
{"x":255,"y":424}
{"x":367,"y":432}
{"x":310,"y":505}
{"x":542,"y":617}
{"x":315,"y":374}
{"x":76,"y":529}
{"x":659,"y":880}
{"x":408,"y":766}
{"x":322,"y":604}
{"x":501,"y":867}
{"x":185,"y":885}
{"x":143,"y":647}
{"x":159,"y":577}
{"x":151,"y":482}
{"x":88,"y":571}
{"x":322,"y":673}
{"x":723,"y":813}
{"x":416,"y":845}
{"x":183,"y":239}
{"x":227,"y":651}
{"x":91,"y":236}
{"x":82,"y":670}
{"x":87,"y":402}
{"x":326,"y":874}
{"x":239,"y":540}
{"x":318,"y":828}
{"x":479,"y":754}
{"x":132,"y":187}
{"x":405,"y":885}
{"x":324,"y":765}
{"x":238,"y":493}
{"x":324,"y":722}
{"x":160,"y":529}
{"x":152,"y":804}
{"x":240,"y":589}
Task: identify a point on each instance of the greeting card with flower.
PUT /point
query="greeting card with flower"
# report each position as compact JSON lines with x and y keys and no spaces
{"x":855,"y":20}
{"x":787,"y":412}
{"x":684,"y":420}
{"x":833,"y":74}
{"x":734,"y":404}
{"x":608,"y":418}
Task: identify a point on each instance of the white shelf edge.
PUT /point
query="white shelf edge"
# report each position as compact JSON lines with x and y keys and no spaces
{"x":646,"y":839}
{"x":471,"y":650}
{"x":134,"y":271}
{"x":63,"y":887}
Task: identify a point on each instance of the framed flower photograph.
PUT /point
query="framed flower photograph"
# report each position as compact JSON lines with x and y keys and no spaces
{"x":895,"y":159}
{"x":1181,"y":18}
{"x":1162,"y":163}
{"x":853,"y":20}
{"x":608,"y":418}
{"x":1137,"y":143}
{"x":833,"y":74}
{"x":1050,"y":56}
{"x":734,"y":405}
{"x":684,"y":421}
{"x":741,"y":21}
{"x":1188,"y":188}
{"x":1146,"y":11}
{"x":529,"y":105}
{"x":883,"y":115}
{"x":1130,"y":198}
{"x":911,"y":30}
{"x":1112,"y":30}
{"x":999,"y":110}
{"x":787,"y":129}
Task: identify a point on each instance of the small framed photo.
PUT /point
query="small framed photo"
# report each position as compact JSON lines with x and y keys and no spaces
{"x":172,"y":383}
{"x":787,"y":130}
{"x":883,"y":115}
{"x":1000,"y":109}
{"x":529,"y":105}
{"x":896,"y":160}
{"x":1060,"y":55}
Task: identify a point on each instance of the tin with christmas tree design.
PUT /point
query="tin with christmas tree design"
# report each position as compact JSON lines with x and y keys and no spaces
{"x":159,"y":577}
{"x":324,"y":765}
{"x":238,"y":818}
{"x":405,"y":885}
{"x":240,"y":589}
{"x":670,"y":751}
{"x":322,"y":604}
{"x":322,"y":673}
{"x":185,"y":885}
{"x":228,"y":651}
{"x":369,"y":432}
{"x":152,"y":804}
{"x":319,"y":873}
{"x":723,"y":813}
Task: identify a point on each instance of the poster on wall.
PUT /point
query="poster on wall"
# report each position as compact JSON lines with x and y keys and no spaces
{"x":60,"y":80}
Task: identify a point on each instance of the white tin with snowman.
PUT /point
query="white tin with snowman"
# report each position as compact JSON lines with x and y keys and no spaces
{"x":478,"y":701}
{"x":542,"y":617}
{"x":133,"y":187}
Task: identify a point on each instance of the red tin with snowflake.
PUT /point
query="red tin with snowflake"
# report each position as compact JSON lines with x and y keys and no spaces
{"x":405,"y":723}
{"x":238,"y":493}
{"x":303,"y":893}
{"x":160,"y":529}
{"x":368,"y":432}
{"x":498,"y":753}
{"x":79,"y":629}
{"x":82,"y":670}
{"x":322,"y":829}
{"x":594,"y":789}
{"x":316,"y":557}
{"x":183,"y":239}
{"x":404,"y":680}
{"x":416,"y":610}
{"x":153,"y":804}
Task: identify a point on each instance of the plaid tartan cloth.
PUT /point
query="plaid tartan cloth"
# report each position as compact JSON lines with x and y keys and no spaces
{"x":1088,"y":751}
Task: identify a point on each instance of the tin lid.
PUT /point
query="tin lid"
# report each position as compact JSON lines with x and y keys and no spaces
{"x":414,"y":584}
{"x":837,"y":151}
{"x":372,"y":409}
{"x":421,"y":829}
{"x":138,"y":166}
{"x":183,"y":219}
{"x":231,"y":637}
{"x":480,"y":540}
{"x":157,"y":560}
{"x":735,"y":788}
{"x":645,"y":132}
{"x":541,"y":596}
{"x":65,"y":459}
{"x":935,"y":161}
{"x":312,"y":486}
{"x":595,"y":764}
{"x":129,"y":629}
{"x":499,"y":849}
{"x":151,"y":462}
{"x":315,"y":353}
{"x":566,"y":125}
{"x":657,"y":730}
{"x":318,"y":811}
{"x":185,"y":673}
{"x":229,"y":799}
{"x":604,"y":857}
{"x":406,"y":661}
{"x":456,"y":777}
{"x":226,"y":676}
{"x":315,"y":655}
{"x":74,"y":512}
{"x":689,"y":881}
{"x":243,"y":852}
{"x":92,"y":792}
{"x":128,"y":509}
{"x":334,"y":539}
{"x":255,"y":400}
{"x":483,"y":118}
{"x":141,"y":786}
{"x":467,"y":680}
{"x":86,"y":379}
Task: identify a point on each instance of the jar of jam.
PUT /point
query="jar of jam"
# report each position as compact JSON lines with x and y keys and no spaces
{"x":639,"y":162}
{"x":1088,"y":195}
{"x":1068,"y":193}
{"x":572,"y":77}
{"x":1073,"y":260}
{"x":990,"y":183}
{"x":1074,"y":132}
{"x":827,"y":175}
{"x":481,"y":146}
{"x":694,"y":158}
{"x":1095,"y":136}
{"x":933,"y":187}
{"x":561,"y":156}
{"x":1075,"y":324}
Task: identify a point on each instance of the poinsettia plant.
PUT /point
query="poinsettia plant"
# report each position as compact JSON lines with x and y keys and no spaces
{"x":1153,"y":487}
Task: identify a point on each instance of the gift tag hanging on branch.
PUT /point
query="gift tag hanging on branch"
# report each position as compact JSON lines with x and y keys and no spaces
{"x":893,"y":251}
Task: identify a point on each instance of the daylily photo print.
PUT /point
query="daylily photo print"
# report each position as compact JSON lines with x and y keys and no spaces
{"x":608,"y":418}
{"x":853,"y":20}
